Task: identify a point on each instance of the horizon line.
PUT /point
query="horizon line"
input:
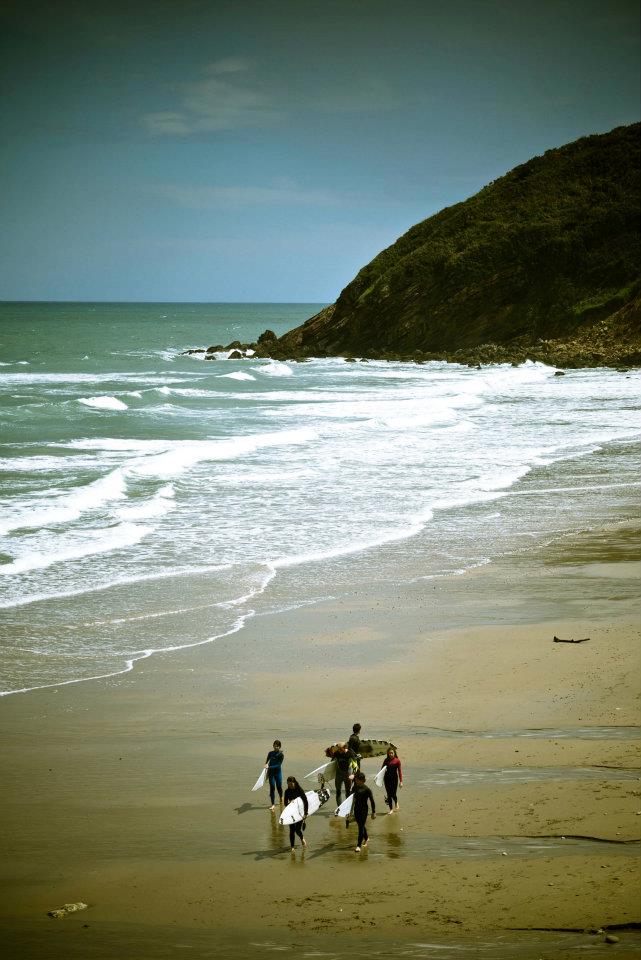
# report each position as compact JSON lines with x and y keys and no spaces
{"x":198,"y":302}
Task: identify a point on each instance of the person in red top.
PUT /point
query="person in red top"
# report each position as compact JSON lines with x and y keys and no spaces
{"x":393,"y":779}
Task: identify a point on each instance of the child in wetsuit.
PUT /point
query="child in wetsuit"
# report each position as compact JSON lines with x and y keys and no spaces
{"x":294,"y":790}
{"x":393,"y":779}
{"x":362,"y":796}
{"x":273,"y":766}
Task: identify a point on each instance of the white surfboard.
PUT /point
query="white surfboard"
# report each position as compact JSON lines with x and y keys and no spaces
{"x":328,"y":769}
{"x":345,"y":808}
{"x":295,"y":811}
{"x":261,"y":780}
{"x":380,"y":776}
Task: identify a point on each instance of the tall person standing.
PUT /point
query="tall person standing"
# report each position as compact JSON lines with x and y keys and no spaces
{"x":274,"y":768}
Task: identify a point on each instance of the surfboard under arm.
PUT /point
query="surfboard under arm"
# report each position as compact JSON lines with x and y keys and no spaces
{"x":345,"y":808}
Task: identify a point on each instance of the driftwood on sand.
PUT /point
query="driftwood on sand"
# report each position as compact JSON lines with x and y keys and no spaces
{"x":559,"y":640}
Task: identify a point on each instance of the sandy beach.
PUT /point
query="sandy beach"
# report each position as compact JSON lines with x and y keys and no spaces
{"x":520,"y":823}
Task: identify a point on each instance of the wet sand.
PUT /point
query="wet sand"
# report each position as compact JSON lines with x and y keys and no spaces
{"x":520,"y":820}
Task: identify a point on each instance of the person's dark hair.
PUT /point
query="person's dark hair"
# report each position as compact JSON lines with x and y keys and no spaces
{"x":277,"y":743}
{"x":294,"y":781}
{"x":360,"y":776}
{"x":356,"y":728}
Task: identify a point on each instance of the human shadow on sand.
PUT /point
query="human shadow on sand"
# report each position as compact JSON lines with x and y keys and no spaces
{"x":266,"y":854}
{"x":246,"y":807}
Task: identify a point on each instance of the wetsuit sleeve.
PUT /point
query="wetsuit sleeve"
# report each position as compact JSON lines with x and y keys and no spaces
{"x":371,"y":800}
{"x":400,"y":772}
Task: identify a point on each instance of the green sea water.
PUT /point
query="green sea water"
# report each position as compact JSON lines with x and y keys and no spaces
{"x":151,"y":500}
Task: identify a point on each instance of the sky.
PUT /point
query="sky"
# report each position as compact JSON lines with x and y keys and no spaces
{"x":235,"y":150}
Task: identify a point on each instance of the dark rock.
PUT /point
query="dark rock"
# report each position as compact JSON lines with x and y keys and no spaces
{"x":559,"y":373}
{"x":215,"y":349}
{"x":611,"y":938}
{"x":197,"y":350}
{"x":268,"y":336}
{"x":235,"y":355}
{"x":234,"y":345}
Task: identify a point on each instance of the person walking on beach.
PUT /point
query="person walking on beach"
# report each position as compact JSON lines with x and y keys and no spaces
{"x":346,"y":765}
{"x":274,"y":768}
{"x":362,"y":796}
{"x":392,"y":778}
{"x":294,"y":790}
{"x":354,"y":743}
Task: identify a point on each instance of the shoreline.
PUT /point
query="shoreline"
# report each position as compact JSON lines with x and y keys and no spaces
{"x":134,"y":794}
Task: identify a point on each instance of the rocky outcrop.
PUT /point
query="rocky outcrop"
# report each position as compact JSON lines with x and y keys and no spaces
{"x":543,"y":263}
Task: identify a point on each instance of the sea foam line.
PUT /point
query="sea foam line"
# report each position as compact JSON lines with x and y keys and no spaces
{"x":132,"y":661}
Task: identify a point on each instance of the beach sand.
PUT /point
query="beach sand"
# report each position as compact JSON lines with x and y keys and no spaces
{"x":520,"y":820}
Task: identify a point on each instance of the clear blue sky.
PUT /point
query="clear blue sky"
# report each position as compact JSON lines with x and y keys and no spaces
{"x":218,"y":150}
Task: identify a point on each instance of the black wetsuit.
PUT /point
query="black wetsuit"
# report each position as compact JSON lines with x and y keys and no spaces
{"x":296,"y":828}
{"x":393,"y":774}
{"x":344,"y":760}
{"x":362,"y":796}
{"x":354,"y":743}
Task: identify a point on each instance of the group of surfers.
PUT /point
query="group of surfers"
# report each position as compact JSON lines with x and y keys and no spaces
{"x":349,"y":777}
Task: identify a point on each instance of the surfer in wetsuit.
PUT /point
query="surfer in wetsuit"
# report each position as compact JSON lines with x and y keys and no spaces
{"x":274,"y":768}
{"x":346,"y":764}
{"x":362,"y":796}
{"x":354,"y":743}
{"x":392,"y":778}
{"x":294,"y":790}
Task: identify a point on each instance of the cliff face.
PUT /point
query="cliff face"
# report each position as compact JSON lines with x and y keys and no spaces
{"x":547,"y":259}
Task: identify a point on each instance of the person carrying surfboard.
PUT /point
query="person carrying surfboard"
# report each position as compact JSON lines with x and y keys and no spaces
{"x":274,"y":768}
{"x":392,"y":778}
{"x":294,"y":790}
{"x":362,"y":796}
{"x":346,"y":765}
{"x":354,"y":743}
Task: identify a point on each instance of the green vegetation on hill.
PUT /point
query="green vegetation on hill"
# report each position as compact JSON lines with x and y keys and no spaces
{"x":550,"y":251}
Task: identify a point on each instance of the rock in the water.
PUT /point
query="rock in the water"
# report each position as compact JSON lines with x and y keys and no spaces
{"x":215,"y":349}
{"x":266,"y":337}
{"x":235,"y":355}
{"x":611,"y":938}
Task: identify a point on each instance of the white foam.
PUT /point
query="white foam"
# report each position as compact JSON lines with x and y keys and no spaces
{"x":157,"y":506}
{"x":94,"y":541}
{"x":148,"y":377}
{"x":276,"y":369}
{"x":184,"y":455}
{"x":47,"y":510}
{"x":238,"y":375}
{"x":103,"y":403}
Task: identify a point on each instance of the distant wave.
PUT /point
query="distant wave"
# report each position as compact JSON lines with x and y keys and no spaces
{"x":95,"y":541}
{"x":237,"y":375}
{"x":103,"y":403}
{"x":276,"y":369}
{"x":43,"y":511}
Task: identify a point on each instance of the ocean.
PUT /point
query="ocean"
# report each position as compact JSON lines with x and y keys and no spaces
{"x":151,"y":501}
